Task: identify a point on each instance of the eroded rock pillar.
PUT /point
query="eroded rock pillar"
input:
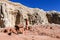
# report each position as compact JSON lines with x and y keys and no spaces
{"x":9,"y":16}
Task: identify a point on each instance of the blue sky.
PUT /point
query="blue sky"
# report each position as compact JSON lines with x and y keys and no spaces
{"x":42,"y":4}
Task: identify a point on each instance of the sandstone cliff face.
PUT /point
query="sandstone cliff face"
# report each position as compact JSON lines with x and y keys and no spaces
{"x":12,"y":13}
{"x":53,"y":17}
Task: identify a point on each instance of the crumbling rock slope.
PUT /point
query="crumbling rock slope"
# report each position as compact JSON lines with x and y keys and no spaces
{"x":36,"y":32}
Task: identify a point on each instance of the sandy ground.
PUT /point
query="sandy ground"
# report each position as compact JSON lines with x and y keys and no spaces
{"x":36,"y":32}
{"x":25,"y":37}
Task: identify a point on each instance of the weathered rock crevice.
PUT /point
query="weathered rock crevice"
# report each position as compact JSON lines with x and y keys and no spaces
{"x":1,"y":17}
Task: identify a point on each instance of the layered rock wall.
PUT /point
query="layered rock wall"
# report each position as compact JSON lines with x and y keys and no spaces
{"x":12,"y":14}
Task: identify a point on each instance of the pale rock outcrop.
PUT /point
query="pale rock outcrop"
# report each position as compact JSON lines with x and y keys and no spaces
{"x":9,"y":13}
{"x":12,"y":14}
{"x":53,"y":17}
